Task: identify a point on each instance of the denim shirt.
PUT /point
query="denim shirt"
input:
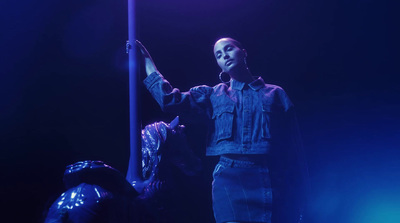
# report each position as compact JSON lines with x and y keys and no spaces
{"x":242,"y":115}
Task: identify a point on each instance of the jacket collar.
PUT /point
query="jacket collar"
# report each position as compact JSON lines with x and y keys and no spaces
{"x":255,"y":85}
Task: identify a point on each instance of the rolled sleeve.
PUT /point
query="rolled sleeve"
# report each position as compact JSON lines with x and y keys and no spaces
{"x":153,"y":78}
{"x":194,"y":102}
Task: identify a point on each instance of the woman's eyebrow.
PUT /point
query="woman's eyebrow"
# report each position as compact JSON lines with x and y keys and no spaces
{"x":227,"y":45}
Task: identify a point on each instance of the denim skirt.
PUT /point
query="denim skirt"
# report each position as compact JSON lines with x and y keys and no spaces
{"x":241,"y":191}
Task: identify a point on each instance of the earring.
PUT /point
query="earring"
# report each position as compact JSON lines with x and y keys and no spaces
{"x":220,"y":77}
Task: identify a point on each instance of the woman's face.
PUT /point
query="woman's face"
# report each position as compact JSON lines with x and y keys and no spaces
{"x":228,"y":55}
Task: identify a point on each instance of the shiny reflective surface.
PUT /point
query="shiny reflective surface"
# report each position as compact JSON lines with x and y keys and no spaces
{"x":152,"y":137}
{"x":175,"y":150}
{"x":87,"y":164}
{"x":96,"y":192}
{"x":83,"y":203}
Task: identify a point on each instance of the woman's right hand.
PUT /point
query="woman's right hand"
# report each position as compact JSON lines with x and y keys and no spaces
{"x":148,"y":62}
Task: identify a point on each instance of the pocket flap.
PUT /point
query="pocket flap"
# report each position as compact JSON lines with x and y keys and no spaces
{"x":218,"y":110}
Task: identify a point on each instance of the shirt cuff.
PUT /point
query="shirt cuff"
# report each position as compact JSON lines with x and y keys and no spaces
{"x":152,"y":79}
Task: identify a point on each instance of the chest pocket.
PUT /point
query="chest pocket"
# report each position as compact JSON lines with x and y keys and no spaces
{"x":266,"y":121}
{"x":223,"y":118}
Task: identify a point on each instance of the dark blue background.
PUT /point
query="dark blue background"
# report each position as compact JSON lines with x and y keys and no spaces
{"x":64,"y":90}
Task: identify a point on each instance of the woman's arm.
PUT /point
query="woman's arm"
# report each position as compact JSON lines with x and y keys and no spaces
{"x":190,"y":105}
{"x":148,"y":61}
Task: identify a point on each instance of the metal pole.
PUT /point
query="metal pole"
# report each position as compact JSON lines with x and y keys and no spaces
{"x":134,"y":169}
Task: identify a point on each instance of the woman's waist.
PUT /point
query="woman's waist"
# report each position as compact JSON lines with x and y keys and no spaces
{"x":230,"y":147}
{"x":239,"y":160}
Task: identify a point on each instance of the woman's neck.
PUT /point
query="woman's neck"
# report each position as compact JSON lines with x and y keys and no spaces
{"x":242,"y":74}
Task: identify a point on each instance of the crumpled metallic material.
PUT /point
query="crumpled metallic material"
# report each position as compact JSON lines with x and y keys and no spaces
{"x":83,"y":203}
{"x":152,"y":137}
{"x":96,"y":192}
{"x":175,"y":149}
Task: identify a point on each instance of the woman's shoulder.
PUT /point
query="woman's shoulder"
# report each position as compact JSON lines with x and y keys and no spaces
{"x":274,"y":87}
{"x":217,"y":87}
{"x":221,"y":86}
{"x":202,"y":89}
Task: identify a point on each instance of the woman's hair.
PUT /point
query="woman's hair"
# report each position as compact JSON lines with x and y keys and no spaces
{"x":237,"y":43}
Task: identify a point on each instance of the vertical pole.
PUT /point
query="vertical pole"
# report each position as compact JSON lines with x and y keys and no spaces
{"x":134,"y":169}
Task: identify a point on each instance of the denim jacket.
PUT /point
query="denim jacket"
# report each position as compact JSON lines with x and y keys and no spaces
{"x":242,"y":116}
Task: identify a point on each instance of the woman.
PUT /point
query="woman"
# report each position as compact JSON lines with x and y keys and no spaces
{"x":251,"y":130}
